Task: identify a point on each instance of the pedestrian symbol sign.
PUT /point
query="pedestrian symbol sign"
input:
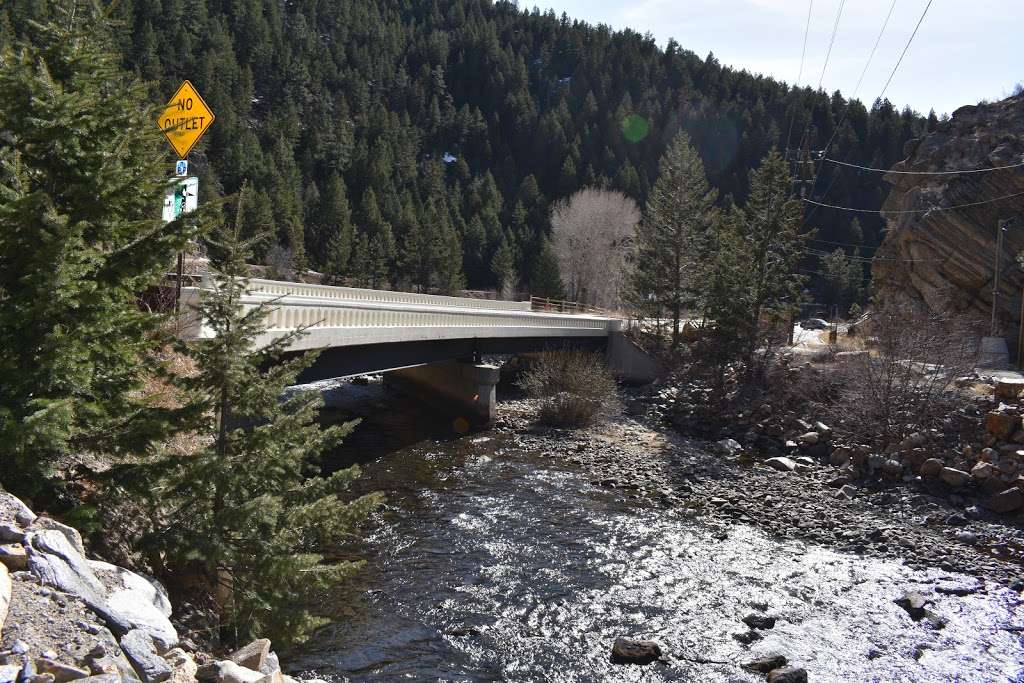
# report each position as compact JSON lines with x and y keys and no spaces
{"x":185,"y":119}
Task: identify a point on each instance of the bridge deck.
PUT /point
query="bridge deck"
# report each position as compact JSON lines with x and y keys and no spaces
{"x":345,"y":316}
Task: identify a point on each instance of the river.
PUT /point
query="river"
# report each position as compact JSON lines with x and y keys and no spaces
{"x":493,"y":562}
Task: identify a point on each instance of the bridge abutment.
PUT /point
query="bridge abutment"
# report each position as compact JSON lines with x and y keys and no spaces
{"x":464,"y":389}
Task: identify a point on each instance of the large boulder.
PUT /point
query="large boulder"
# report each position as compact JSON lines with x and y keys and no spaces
{"x":140,"y":600}
{"x":55,"y":562}
{"x":138,"y":647}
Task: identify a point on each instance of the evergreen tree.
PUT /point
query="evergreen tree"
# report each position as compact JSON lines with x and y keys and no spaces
{"x":503,"y":267}
{"x":844,"y":280}
{"x":248,"y":514}
{"x":766,"y":233}
{"x":672,"y":240}
{"x":546,"y":280}
{"x":81,"y":180}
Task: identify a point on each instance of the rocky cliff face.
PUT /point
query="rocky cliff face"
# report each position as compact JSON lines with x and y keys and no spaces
{"x":945,"y":259}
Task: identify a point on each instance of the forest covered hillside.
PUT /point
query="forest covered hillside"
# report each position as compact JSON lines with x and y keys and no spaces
{"x":403,"y":142}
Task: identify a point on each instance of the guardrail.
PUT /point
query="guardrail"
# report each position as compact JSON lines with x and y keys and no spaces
{"x":540,"y":303}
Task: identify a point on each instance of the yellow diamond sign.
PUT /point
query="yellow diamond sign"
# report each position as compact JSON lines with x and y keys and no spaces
{"x":185,"y":119}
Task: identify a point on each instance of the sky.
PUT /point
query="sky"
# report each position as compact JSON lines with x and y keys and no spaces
{"x":965,"y":51}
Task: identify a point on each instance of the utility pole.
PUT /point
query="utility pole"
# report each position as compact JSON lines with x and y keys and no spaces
{"x":1000,"y":232}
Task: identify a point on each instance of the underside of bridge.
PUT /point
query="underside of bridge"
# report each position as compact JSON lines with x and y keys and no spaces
{"x":449,"y":373}
{"x":347,"y":361}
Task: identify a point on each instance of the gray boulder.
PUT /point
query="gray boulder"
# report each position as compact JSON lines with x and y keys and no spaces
{"x":13,"y":510}
{"x":141,"y":601}
{"x":139,"y":649}
{"x":55,"y":562}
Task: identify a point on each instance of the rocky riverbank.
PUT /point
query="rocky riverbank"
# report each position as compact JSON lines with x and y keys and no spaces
{"x":807,"y":495}
{"x":65,"y":617}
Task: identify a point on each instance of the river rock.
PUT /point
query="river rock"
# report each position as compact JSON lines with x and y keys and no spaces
{"x":62,"y":673}
{"x":14,"y":557}
{"x":954,"y":477}
{"x":759,"y":621}
{"x":252,"y":656}
{"x":983,"y":470}
{"x":142,"y":601}
{"x":1001,"y":424}
{"x":809,"y":438}
{"x":183,"y":667}
{"x":932,"y":467}
{"x":9,"y":673}
{"x":781,"y":463}
{"x":5,"y":595}
{"x":138,"y":647}
{"x":630,"y":651}
{"x":1008,"y":501}
{"x":728,"y":447}
{"x":1008,"y":388}
{"x":913,"y":604}
{"x":230,"y":672}
{"x":788,"y":674}
{"x":766,"y":664}
{"x":11,"y":533}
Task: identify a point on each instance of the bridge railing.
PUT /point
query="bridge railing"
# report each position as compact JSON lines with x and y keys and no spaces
{"x":343,"y":316}
{"x":279,"y":288}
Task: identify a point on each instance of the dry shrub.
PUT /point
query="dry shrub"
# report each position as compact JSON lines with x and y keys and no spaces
{"x":906,"y":382}
{"x":576,"y":388}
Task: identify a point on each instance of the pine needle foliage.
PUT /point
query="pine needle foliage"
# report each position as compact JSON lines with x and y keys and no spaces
{"x":82,"y":174}
{"x":754,"y":281}
{"x":250,"y":513}
{"x":673,"y":237}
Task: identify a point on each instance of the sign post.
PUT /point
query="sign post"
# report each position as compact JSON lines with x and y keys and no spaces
{"x":184,"y":120}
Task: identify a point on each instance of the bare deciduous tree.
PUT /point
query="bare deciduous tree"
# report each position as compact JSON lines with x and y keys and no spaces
{"x":906,"y":381}
{"x":593,"y":233}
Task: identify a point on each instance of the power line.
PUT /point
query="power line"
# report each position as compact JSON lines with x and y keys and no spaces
{"x":800,"y":73}
{"x":880,"y":96}
{"x":905,"y":48}
{"x":849,"y":104}
{"x":883,"y":170}
{"x":903,"y":211}
{"x":831,"y":42}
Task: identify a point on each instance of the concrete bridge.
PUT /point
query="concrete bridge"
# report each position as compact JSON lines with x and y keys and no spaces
{"x":429,"y":345}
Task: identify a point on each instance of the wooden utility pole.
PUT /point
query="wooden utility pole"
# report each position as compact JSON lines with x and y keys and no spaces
{"x":1000,"y":231}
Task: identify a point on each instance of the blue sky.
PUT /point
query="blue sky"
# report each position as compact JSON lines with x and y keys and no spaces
{"x":965,"y":51}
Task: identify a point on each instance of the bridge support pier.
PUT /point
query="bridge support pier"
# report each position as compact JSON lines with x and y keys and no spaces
{"x":464,"y":389}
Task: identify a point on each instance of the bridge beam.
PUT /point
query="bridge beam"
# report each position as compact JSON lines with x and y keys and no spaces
{"x":461,"y":388}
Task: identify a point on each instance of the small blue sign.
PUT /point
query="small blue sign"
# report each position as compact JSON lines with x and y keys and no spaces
{"x":181,"y":169}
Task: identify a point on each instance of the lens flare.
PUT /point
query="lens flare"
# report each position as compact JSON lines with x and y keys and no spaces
{"x":635,"y":127}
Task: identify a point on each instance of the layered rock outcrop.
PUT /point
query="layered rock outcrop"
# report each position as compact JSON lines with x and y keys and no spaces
{"x":944,"y":259}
